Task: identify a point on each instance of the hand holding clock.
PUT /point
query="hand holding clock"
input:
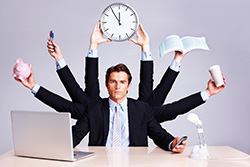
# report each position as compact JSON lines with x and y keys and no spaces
{"x":97,"y":37}
{"x":142,"y":39}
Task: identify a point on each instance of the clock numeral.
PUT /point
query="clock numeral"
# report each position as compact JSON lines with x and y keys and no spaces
{"x":132,"y":29}
{"x":127,"y":35}
{"x":106,"y":15}
{"x":112,"y":35}
{"x":126,"y":9}
{"x":134,"y":22}
{"x":106,"y":30}
{"x":119,"y":37}
{"x":104,"y":22}
{"x":132,"y":14}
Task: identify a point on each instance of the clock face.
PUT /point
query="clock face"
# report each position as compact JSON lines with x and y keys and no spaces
{"x":119,"y":22}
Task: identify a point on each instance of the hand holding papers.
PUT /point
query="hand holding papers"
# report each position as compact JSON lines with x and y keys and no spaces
{"x":184,"y":45}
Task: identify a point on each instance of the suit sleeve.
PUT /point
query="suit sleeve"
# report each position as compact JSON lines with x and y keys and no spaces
{"x":80,"y":130}
{"x":172,"y":110}
{"x":60,"y":104}
{"x":91,"y":78}
{"x":74,"y":90}
{"x":146,"y":80}
{"x":159,"y":94}
{"x":159,"y":135}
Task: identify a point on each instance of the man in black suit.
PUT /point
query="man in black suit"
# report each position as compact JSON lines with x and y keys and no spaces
{"x":96,"y":116}
{"x":155,"y":98}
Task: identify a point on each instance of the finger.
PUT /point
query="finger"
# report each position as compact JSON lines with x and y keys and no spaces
{"x":17,"y":79}
{"x":50,"y":46}
{"x":137,"y":34}
{"x":186,"y":53}
{"x":141,"y":28}
{"x":224,"y":79}
{"x":177,"y":150}
{"x":133,"y":40}
{"x":107,"y":40}
{"x":54,"y":44}
{"x":51,"y":51}
{"x":49,"y":42}
{"x":97,"y":26}
{"x":185,"y":142}
{"x":31,"y":72}
{"x":180,"y":147}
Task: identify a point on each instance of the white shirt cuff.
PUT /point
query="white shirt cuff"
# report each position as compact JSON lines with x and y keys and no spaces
{"x":92,"y":53}
{"x":35,"y":89}
{"x":204,"y":95}
{"x":146,"y":56}
{"x":60,"y":64}
{"x":175,"y":66}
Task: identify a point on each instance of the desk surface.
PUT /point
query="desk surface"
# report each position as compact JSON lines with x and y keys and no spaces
{"x":136,"y":156}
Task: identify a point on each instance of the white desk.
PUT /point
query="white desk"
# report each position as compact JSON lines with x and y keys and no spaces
{"x":221,"y":156}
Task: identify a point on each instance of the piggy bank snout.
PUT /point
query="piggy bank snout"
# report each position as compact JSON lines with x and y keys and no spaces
{"x":20,"y":68}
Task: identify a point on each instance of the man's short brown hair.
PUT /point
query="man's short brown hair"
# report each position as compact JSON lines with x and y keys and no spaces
{"x":118,"y":68}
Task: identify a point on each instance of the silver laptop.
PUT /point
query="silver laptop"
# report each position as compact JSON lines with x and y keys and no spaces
{"x":44,"y":135}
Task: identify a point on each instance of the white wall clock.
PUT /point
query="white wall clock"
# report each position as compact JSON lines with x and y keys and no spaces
{"x":119,"y":22}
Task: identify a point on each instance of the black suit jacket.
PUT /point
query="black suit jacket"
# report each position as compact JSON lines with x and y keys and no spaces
{"x":93,"y":117}
{"x":155,"y":98}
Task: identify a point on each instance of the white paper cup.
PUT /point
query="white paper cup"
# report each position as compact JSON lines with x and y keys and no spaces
{"x":216,"y":74}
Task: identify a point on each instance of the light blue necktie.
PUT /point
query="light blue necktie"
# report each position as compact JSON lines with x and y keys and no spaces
{"x":116,"y":128}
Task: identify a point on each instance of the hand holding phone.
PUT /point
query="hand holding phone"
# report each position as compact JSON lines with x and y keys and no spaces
{"x":180,"y":141}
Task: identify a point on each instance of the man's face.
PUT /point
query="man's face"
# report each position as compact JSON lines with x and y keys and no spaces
{"x":118,"y":86}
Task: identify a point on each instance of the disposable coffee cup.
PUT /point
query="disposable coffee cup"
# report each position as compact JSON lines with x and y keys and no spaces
{"x":217,"y":76}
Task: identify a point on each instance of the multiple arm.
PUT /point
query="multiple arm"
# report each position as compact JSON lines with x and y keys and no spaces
{"x":57,"y":102}
{"x":77,"y":110}
{"x":92,"y":88}
{"x":155,"y":98}
{"x":146,"y":70}
{"x":160,"y":136}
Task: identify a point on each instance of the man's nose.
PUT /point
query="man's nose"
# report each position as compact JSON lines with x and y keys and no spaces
{"x":118,"y":85}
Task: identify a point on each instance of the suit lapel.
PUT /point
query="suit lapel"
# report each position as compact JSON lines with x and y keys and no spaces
{"x":132,"y":121}
{"x":105,"y":113}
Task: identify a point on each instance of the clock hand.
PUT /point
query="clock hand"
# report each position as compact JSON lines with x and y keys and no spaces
{"x":115,"y":16}
{"x":119,"y":19}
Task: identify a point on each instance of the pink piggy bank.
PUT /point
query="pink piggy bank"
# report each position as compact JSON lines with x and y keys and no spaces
{"x":21,"y":70}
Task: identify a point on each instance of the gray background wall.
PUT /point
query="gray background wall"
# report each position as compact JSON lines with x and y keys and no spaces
{"x":24,"y":30}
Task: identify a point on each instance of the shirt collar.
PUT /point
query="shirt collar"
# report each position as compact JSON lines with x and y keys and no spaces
{"x":123,"y":104}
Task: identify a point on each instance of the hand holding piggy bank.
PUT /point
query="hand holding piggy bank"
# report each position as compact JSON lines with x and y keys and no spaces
{"x":21,"y":70}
